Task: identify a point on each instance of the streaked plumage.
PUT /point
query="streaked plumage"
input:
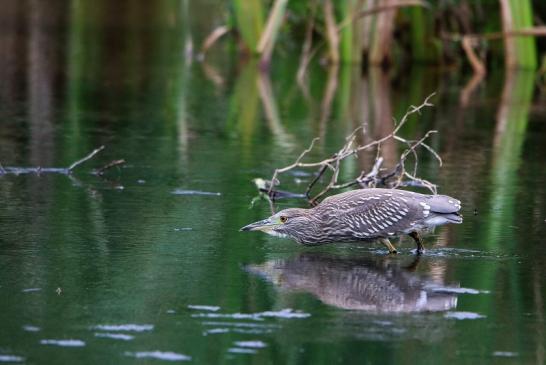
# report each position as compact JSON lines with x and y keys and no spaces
{"x":366,"y":214}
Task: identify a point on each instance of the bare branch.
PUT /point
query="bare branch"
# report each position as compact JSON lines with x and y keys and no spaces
{"x":297,"y":163}
{"x":374,"y":177}
{"x":86,"y":158}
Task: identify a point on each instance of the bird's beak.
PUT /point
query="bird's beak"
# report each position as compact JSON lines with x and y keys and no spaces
{"x":263,"y":225}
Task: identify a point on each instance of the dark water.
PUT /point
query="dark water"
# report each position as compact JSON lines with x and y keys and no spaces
{"x":132,"y":268}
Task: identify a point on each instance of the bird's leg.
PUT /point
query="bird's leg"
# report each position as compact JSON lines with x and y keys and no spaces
{"x":389,"y":245}
{"x":418,"y":241}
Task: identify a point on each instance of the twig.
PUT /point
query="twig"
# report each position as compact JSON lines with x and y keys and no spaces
{"x":526,"y":32}
{"x":393,"y":179}
{"x":109,"y":165}
{"x":295,"y":164}
{"x":86,"y":158}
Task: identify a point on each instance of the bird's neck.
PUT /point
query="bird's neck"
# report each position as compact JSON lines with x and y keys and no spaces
{"x":311,"y":234}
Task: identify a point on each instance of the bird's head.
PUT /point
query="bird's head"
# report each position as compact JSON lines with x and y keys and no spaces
{"x":292,"y":223}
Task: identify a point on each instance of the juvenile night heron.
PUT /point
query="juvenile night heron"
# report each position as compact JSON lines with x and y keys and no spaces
{"x":363,"y":215}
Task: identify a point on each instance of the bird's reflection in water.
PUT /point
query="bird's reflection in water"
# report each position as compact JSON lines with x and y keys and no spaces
{"x":372,"y":284}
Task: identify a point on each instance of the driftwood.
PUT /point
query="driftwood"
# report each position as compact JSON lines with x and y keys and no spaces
{"x":60,"y":170}
{"x":375,"y":177}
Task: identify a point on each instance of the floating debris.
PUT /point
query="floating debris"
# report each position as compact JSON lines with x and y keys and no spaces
{"x":463,"y":315}
{"x":63,"y":343}
{"x":11,"y":358}
{"x":211,"y":308}
{"x":237,"y":350}
{"x":30,"y":328}
{"x":124,"y":327}
{"x":183,"y":229}
{"x":253,"y":344}
{"x":115,"y":336}
{"x":30,"y":290}
{"x":169,"y":356}
{"x":171,"y":311}
{"x":194,"y":192}
{"x":141,"y":181}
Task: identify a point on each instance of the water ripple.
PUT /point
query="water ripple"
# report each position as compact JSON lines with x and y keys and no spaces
{"x":284,"y":313}
{"x":11,"y":358}
{"x":63,"y":343}
{"x":211,"y":308}
{"x":159,"y":355}
{"x":124,"y":327}
{"x":115,"y":336}
{"x":463,"y":315}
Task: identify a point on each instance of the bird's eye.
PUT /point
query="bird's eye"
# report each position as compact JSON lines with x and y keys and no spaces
{"x":283,"y":219}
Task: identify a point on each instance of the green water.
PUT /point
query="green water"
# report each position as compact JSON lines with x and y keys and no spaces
{"x":122,"y":266}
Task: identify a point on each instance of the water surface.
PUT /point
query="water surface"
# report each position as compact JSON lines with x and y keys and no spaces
{"x":147,"y":263}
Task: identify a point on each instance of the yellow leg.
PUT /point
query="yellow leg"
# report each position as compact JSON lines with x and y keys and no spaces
{"x":389,"y":245}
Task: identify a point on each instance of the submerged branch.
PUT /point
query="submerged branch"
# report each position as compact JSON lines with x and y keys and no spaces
{"x":108,"y":166}
{"x":61,"y":170}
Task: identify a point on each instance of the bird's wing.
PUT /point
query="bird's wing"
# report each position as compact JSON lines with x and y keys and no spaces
{"x":371,"y":214}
